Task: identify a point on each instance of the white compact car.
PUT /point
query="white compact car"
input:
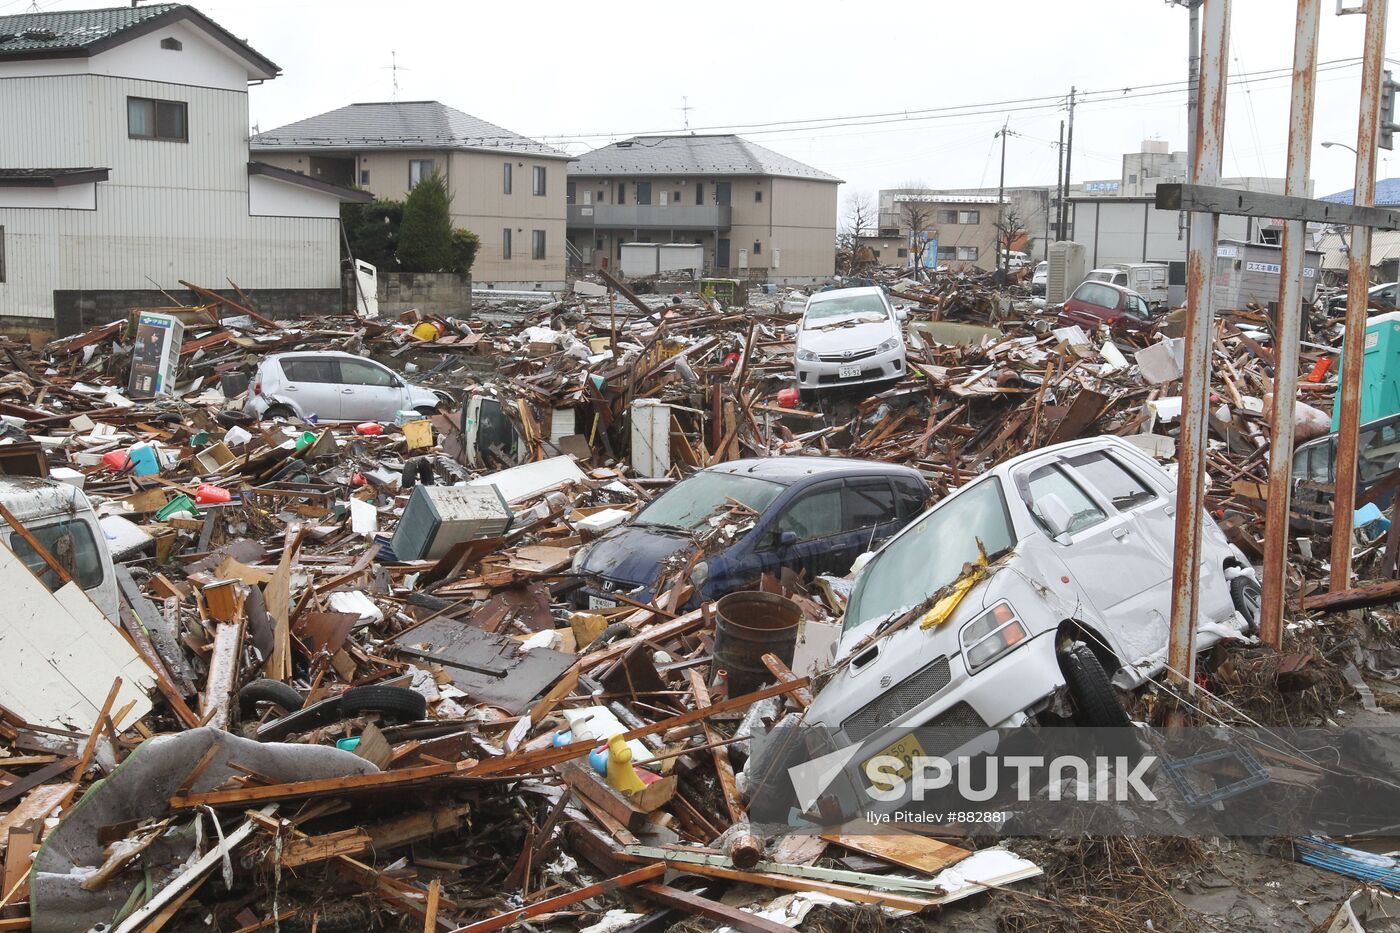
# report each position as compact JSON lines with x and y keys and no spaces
{"x":1040,"y":278}
{"x":332,"y":386}
{"x":848,"y":336}
{"x":1078,"y":589}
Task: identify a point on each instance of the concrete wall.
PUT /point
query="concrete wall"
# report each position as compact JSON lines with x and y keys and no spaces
{"x":75,"y":310}
{"x":442,"y":293}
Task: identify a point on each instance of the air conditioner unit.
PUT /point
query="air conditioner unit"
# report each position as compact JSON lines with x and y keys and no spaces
{"x":1069,"y":264}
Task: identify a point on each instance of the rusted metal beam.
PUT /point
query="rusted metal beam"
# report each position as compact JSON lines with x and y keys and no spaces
{"x":1358,"y":281}
{"x":1375,"y":594}
{"x":1200,"y":276}
{"x":1288,"y":327}
{"x":1213,"y":199}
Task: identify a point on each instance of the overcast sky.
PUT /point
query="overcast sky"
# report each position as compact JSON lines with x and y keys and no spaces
{"x":578,"y":74}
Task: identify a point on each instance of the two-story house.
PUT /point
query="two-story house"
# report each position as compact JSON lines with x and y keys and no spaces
{"x":505,"y":188}
{"x":946,"y":229}
{"x":759,"y":214}
{"x":124,"y":168}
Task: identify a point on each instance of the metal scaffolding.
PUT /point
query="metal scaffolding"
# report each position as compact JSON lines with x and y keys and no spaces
{"x":1205,"y":200}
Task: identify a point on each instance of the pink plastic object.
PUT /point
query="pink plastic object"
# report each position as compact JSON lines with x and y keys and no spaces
{"x":116,"y":459}
{"x":369,"y":427}
{"x":211,"y":495}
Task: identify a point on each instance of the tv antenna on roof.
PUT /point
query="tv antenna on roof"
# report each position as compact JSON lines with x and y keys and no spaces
{"x":685,"y":109}
{"x":395,"y":67}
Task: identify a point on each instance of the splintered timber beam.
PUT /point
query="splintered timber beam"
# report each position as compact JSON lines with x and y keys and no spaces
{"x":551,"y":904}
{"x":382,"y":780}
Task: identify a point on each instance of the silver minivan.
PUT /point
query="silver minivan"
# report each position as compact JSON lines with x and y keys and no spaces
{"x":1074,"y":599}
{"x":333,"y":386}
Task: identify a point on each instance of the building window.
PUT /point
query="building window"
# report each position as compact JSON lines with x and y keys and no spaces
{"x":947,"y":217}
{"x":1132,"y":179}
{"x":969,"y":217}
{"x":758,"y":195}
{"x":877,"y":254}
{"x":967,"y":253}
{"x":173,"y":45}
{"x":699,"y":192}
{"x":505,"y":243}
{"x":901,"y":253}
{"x":156,"y":119}
{"x":571,"y":192}
{"x":364,"y":176}
{"x":622,"y":192}
{"x":947,"y":252}
{"x":505,"y":183}
{"x":537,"y":244}
{"x":539,"y":181}
{"x":643,"y":192}
{"x":757,"y":248}
{"x":676,"y":196}
{"x":598,"y":243}
{"x":418,"y":169}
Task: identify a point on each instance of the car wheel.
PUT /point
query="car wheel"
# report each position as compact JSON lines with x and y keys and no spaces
{"x":1247,"y":596}
{"x":395,"y":704}
{"x":1095,"y":700}
{"x":278,"y":411}
{"x":274,"y":693}
{"x":427,"y":411}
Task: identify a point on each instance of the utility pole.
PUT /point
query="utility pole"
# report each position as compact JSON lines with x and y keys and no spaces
{"x":1060,"y":186}
{"x":1069,"y":153}
{"x":1002,"y":252}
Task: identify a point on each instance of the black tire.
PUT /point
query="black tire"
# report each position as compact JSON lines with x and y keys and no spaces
{"x":278,"y":411}
{"x":417,"y":470}
{"x":395,"y":704}
{"x":1247,"y":596}
{"x":272,"y":692}
{"x":1095,"y":701}
{"x":427,"y":411}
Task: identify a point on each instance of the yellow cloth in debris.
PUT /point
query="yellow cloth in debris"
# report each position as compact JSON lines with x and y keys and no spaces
{"x":949,"y":601}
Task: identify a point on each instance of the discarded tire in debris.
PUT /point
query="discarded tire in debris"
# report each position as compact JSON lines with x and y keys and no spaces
{"x":1095,"y":700}
{"x":1246,"y":595}
{"x":748,"y":626}
{"x":391,"y":703}
{"x":417,"y":470}
{"x":272,"y":692}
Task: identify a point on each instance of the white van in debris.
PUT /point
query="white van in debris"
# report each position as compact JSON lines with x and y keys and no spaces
{"x":1074,"y":600}
{"x":62,"y":520}
{"x":1148,"y":279}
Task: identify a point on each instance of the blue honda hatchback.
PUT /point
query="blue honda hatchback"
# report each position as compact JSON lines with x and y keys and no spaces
{"x":814,"y":515}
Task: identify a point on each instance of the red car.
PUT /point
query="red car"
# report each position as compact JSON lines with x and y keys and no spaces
{"x":1095,"y":303}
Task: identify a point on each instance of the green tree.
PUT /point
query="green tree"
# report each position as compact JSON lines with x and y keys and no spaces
{"x":425,"y":236}
{"x":465,"y":245}
{"x":373,"y":232}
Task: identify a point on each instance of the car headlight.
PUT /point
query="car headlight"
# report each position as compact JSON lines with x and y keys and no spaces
{"x":991,"y":635}
{"x":580,"y":556}
{"x":807,"y":356}
{"x":699,"y":574}
{"x":888,"y":345}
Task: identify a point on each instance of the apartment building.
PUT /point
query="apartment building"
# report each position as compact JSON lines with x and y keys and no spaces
{"x":505,"y":188}
{"x":758,"y":214}
{"x":941,"y":229}
{"x":127,"y":170}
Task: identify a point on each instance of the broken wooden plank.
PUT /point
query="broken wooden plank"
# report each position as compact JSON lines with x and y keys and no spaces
{"x":910,"y":850}
{"x":223,"y":674}
{"x":295,"y":790}
{"x":548,"y":905}
{"x":698,"y":906}
{"x":724,"y":769}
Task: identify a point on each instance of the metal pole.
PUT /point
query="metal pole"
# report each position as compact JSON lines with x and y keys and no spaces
{"x":1288,"y":328}
{"x":1195,"y":395}
{"x":1193,"y":78}
{"x":1358,"y":280}
{"x":1001,"y":207}
{"x":1060,"y":188}
{"x":1069,"y":143}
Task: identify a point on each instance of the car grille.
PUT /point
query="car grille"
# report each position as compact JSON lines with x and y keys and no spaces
{"x":846,"y":357}
{"x":898,"y":700}
{"x":951,"y":729}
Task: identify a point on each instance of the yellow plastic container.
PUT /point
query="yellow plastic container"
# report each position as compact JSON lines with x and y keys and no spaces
{"x":419,"y":434}
{"x":426,"y":330}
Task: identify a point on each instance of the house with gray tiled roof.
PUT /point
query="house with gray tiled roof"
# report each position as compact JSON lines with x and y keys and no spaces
{"x":124,"y":168}
{"x":759,"y":214}
{"x":506,"y":188}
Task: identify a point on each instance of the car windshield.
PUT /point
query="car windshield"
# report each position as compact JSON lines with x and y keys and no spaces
{"x":931,"y":554}
{"x":688,"y":503}
{"x":833,"y":310}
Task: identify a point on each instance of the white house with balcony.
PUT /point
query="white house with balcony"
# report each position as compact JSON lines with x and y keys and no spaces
{"x":124,"y":169}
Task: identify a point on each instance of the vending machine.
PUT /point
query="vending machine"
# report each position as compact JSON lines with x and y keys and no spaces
{"x":155,"y":355}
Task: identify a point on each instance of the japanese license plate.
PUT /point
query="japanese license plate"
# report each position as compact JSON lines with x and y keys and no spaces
{"x":601,"y":602}
{"x":906,"y":750}
{"x":849,"y":372}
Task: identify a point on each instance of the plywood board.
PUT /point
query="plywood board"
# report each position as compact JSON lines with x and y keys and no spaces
{"x":62,"y":654}
{"x":901,"y":848}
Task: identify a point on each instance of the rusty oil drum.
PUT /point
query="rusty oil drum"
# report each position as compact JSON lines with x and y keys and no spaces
{"x":749,"y":625}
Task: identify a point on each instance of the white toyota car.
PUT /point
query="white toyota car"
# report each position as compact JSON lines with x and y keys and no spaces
{"x":848,"y":336}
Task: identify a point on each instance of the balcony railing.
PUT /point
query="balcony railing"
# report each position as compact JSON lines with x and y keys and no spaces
{"x":650,"y":216}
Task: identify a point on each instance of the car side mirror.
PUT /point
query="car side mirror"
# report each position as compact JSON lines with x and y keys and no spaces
{"x":790,"y":330}
{"x":396,"y":382}
{"x":787,"y":538}
{"x":1056,"y":516}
